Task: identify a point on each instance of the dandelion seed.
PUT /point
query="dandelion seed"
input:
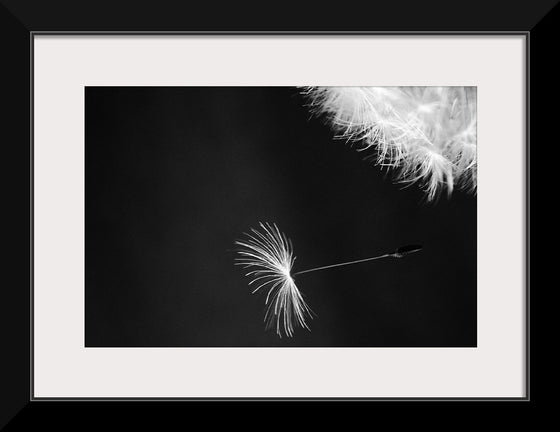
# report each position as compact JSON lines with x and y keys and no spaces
{"x":268,"y":253}
{"x":427,"y":133}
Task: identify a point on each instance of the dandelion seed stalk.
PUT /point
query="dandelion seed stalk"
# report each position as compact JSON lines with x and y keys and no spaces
{"x":399,"y":253}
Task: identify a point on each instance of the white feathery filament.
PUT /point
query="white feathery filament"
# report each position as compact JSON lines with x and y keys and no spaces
{"x":428,"y":134}
{"x":269,"y":255}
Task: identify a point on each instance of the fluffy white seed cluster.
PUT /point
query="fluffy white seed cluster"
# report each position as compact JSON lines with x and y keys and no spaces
{"x":426,"y":134}
{"x":269,"y":255}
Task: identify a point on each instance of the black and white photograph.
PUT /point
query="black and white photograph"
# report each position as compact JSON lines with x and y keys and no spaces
{"x":234,"y":207}
{"x":281,"y":216}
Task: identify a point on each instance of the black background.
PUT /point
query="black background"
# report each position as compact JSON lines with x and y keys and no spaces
{"x":175,"y":175}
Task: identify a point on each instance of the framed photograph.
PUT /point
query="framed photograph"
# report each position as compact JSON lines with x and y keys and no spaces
{"x":312,"y":214}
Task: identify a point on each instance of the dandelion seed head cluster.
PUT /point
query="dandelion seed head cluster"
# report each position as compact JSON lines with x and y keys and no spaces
{"x":426,"y":134}
{"x":268,"y":254}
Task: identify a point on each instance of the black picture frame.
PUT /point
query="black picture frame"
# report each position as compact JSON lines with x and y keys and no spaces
{"x":21,"y":20}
